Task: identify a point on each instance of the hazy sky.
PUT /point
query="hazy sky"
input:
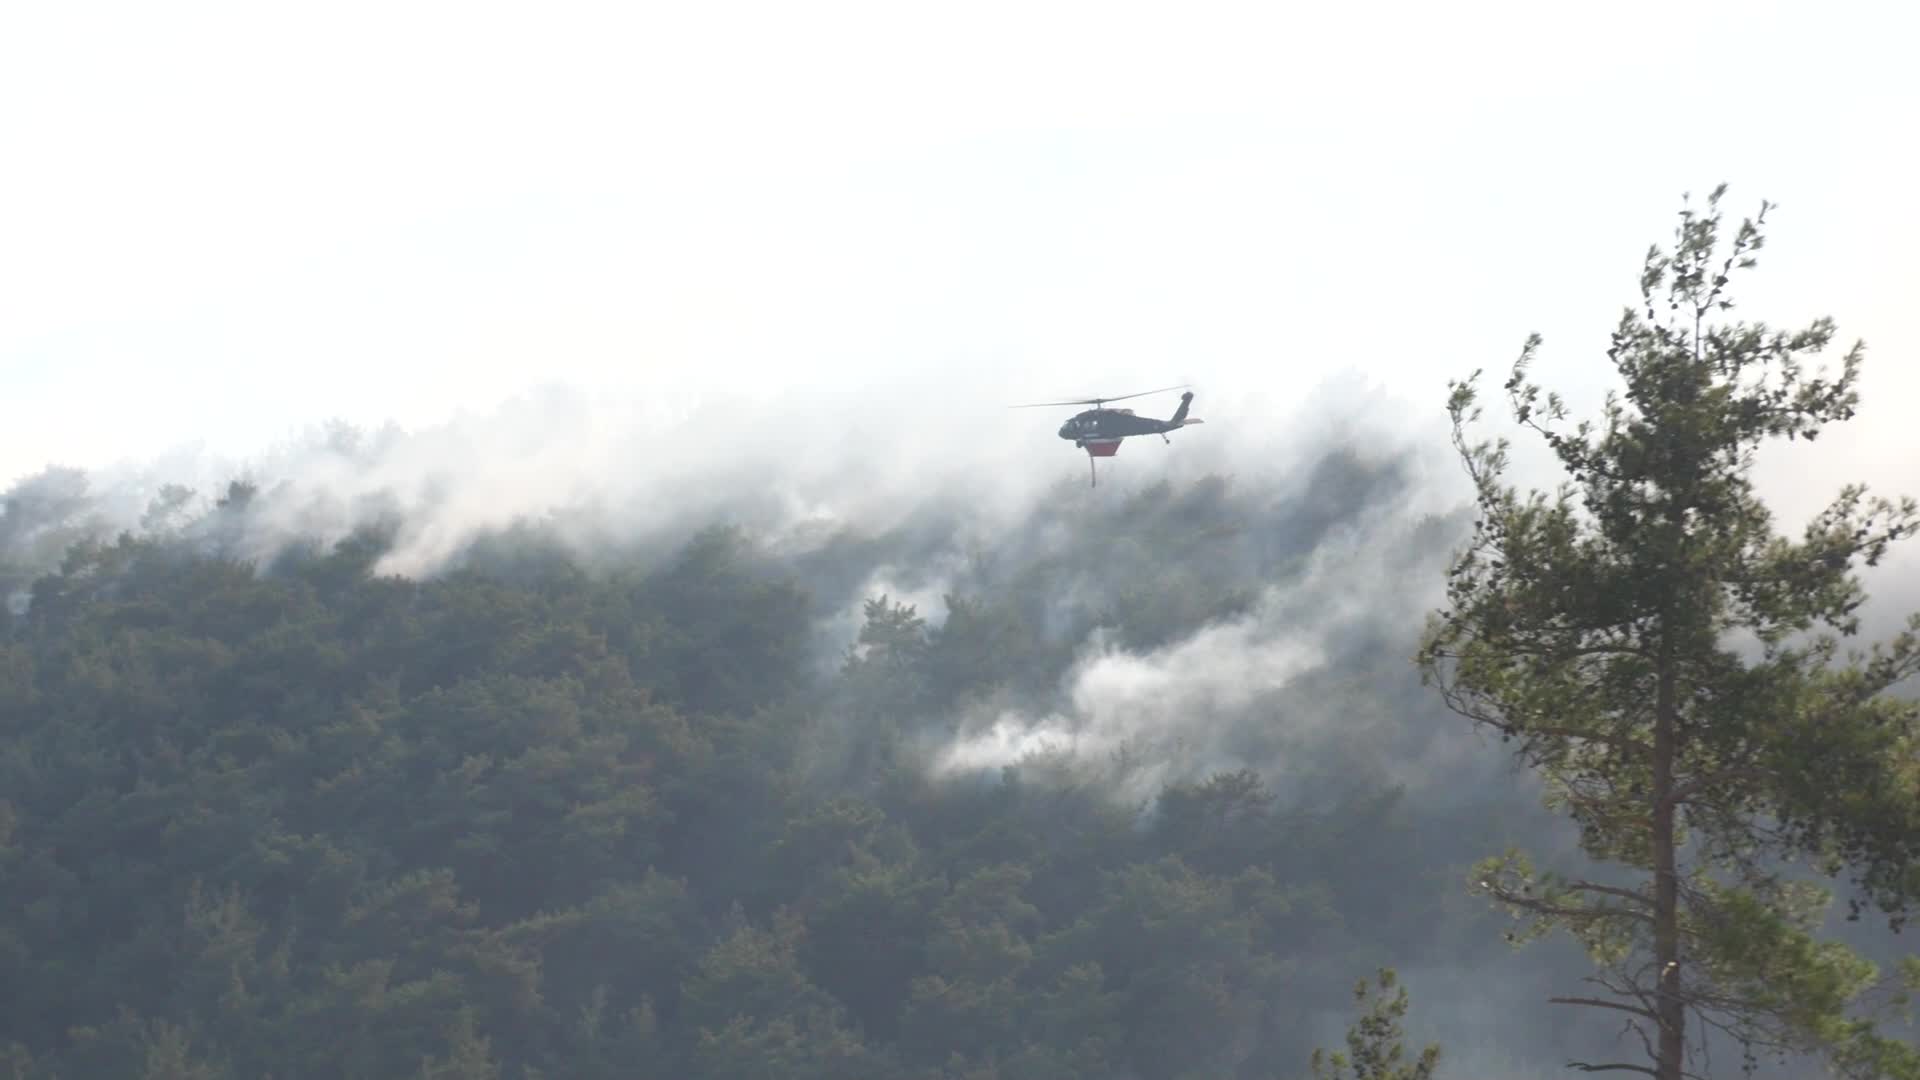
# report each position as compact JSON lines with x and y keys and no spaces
{"x":222,"y":222}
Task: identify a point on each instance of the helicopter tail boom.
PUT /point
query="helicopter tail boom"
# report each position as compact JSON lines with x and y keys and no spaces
{"x":1179,"y":418}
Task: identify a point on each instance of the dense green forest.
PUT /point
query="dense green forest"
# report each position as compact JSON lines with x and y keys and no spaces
{"x":664,"y":810}
{"x":639,"y":813}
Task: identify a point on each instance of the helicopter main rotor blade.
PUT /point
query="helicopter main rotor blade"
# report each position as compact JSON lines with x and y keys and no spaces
{"x":1144,"y":393}
{"x":1098,"y":400}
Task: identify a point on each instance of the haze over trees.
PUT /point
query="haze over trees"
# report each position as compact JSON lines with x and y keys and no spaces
{"x":530,"y":818}
{"x":1141,"y":791}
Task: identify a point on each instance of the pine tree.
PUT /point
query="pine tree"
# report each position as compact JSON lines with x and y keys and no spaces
{"x":1376,"y":1046}
{"x":1600,"y":631}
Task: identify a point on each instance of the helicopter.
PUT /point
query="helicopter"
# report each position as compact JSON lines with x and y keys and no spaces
{"x":1099,"y":430}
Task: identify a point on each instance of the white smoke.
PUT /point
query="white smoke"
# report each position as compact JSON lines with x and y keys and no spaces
{"x":601,"y":467}
{"x":1273,"y":689}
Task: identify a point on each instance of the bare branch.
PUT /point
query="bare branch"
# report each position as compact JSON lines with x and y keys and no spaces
{"x":1574,"y":652}
{"x":1541,"y":907}
{"x":1601,"y":737}
{"x":1644,"y":1040}
{"x":1611,"y":801}
{"x":1601,"y":1004}
{"x":1611,"y":1067}
{"x":1609,"y":890}
{"x":1630,"y":988}
{"x":1746,"y":1032}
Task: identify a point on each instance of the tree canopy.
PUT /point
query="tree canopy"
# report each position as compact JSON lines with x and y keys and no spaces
{"x":529,"y":818}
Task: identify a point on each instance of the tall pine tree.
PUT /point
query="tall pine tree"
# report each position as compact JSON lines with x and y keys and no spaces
{"x":1672,"y":668}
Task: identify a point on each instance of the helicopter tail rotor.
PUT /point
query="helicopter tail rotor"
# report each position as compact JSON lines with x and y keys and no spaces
{"x":1180,"y":414}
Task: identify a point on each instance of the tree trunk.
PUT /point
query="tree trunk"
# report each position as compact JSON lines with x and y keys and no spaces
{"x":1666,"y":880}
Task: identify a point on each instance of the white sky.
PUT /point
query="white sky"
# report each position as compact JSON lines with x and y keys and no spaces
{"x":222,"y":222}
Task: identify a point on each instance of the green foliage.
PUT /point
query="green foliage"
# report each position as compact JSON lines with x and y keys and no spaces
{"x":736,"y":640}
{"x":1376,"y":1046}
{"x":469,"y":1056}
{"x":1597,"y":630}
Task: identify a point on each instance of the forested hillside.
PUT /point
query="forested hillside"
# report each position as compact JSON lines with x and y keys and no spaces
{"x":667,"y":811}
